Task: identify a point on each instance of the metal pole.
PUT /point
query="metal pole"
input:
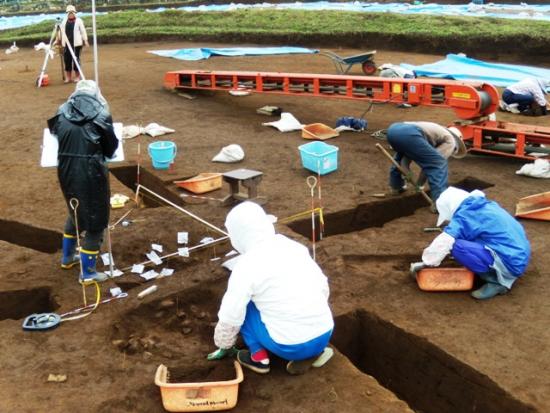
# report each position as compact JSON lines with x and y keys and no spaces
{"x":94,"y":29}
{"x":406,"y":174}
{"x":43,"y":70}
{"x":208,"y":224}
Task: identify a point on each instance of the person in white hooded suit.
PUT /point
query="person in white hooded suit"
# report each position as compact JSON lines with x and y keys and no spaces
{"x":277,"y":297}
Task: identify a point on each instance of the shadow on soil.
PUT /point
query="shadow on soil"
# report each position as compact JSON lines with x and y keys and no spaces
{"x":18,"y":304}
{"x":417,"y":371}
{"x":377,"y":213}
{"x":128,"y":176}
{"x":35,"y":238}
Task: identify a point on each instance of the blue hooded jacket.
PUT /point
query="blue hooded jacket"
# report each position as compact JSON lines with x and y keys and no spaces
{"x":479,"y":220}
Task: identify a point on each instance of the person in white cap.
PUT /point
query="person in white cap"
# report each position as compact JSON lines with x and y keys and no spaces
{"x":429,"y":145}
{"x":76,"y":37}
{"x":481,"y":236}
{"x":277,"y":297}
{"x":526,"y":97}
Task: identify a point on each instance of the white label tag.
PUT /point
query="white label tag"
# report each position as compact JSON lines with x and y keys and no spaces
{"x":115,"y":291}
{"x":138,"y":268}
{"x":157,"y":247}
{"x":166,"y":272}
{"x":105,"y":259}
{"x":154,"y":258}
{"x":116,"y":273}
{"x":183,"y":237}
{"x":149,"y":275}
{"x":183,"y":252}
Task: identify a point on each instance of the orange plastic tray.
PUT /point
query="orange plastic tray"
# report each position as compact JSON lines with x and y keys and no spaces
{"x":204,"y":182}
{"x":198,"y":397}
{"x":318,"y":131}
{"x":445,"y":279}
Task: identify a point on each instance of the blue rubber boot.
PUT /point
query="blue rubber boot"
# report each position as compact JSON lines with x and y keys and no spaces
{"x":70,"y":258}
{"x":489,"y":290}
{"x":89,"y":273}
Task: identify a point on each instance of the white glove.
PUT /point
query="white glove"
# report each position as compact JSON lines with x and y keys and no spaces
{"x":438,"y":249}
{"x":225,"y":335}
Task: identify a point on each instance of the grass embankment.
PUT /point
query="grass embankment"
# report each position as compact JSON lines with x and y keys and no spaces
{"x":359,"y":30}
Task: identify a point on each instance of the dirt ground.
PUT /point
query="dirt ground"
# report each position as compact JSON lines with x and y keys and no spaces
{"x":397,"y":349}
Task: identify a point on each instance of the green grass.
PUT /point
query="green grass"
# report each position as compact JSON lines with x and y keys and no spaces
{"x":294,"y":24}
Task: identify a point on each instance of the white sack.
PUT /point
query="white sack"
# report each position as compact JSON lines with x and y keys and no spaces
{"x":287,"y":123}
{"x":154,"y":130}
{"x":539,"y":169}
{"x":229,"y":154}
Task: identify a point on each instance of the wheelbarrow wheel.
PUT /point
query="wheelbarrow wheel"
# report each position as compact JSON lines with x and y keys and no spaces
{"x":369,"y":68}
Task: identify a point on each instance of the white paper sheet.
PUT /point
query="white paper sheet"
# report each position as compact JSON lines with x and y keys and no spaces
{"x":50,"y":146}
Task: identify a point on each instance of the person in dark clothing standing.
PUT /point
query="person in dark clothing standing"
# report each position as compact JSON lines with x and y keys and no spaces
{"x":84,"y":129}
{"x":429,"y":145}
{"x":76,"y":37}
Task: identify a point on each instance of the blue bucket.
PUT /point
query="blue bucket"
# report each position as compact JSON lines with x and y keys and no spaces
{"x":162,"y":153}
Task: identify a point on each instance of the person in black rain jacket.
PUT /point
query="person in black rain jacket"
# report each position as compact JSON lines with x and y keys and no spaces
{"x":84,"y":129}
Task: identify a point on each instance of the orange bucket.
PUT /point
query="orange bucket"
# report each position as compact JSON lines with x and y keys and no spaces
{"x":445,"y":279}
{"x":45,"y":80}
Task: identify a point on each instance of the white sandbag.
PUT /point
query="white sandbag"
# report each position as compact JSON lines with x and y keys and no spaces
{"x":395,"y":71}
{"x":131,"y":131}
{"x":287,"y":123}
{"x":154,"y":129}
{"x":538,"y":169}
{"x":46,"y":48}
{"x":229,"y":154}
{"x":13,"y":49}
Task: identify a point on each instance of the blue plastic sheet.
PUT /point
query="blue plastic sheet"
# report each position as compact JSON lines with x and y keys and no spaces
{"x":205,"y":52}
{"x":14,"y":22}
{"x":464,"y":68}
{"x":506,"y":11}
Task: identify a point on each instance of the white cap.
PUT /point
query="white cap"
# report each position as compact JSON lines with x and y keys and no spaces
{"x":460,"y":147}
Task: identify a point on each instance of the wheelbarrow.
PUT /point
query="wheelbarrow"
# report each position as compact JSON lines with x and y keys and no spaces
{"x":534,"y":207}
{"x":344,"y":64}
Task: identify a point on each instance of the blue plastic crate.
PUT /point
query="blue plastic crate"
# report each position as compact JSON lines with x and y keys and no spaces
{"x":319,"y":157}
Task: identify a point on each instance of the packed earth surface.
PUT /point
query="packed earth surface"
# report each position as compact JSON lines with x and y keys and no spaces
{"x":397,"y":348}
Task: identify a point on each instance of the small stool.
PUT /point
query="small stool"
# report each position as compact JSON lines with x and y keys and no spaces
{"x":250,"y":180}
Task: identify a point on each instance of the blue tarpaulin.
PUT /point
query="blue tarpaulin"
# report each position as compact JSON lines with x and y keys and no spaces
{"x":205,"y":52}
{"x":460,"y":67}
{"x":506,"y":11}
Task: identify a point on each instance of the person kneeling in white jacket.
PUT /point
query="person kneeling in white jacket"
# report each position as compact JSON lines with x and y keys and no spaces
{"x":277,"y":297}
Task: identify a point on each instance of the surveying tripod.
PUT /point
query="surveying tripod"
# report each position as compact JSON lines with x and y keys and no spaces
{"x":57,"y":34}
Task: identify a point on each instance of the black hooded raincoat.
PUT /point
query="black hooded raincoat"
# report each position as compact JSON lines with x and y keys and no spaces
{"x":84,"y":129}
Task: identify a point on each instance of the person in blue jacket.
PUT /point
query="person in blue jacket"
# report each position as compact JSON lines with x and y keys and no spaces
{"x":483,"y":237}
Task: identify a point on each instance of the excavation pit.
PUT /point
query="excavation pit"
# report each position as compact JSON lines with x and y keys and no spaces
{"x":38,"y":239}
{"x":420,"y":373}
{"x":375,"y":214}
{"x":128,"y":176}
{"x":18,"y":304}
